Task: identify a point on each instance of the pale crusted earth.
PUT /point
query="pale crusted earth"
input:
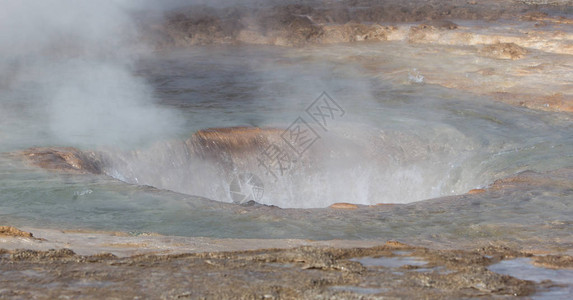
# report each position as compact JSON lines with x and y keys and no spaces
{"x":518,"y":52}
{"x":294,"y":273}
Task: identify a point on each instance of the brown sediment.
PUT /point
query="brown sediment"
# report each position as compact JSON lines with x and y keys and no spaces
{"x":558,"y":20}
{"x":441,"y":24}
{"x":554,"y":261}
{"x":302,"y":272}
{"x":42,"y":256}
{"x":476,"y":191}
{"x":63,"y":159}
{"x":396,"y":244}
{"x":348,"y":21}
{"x":552,"y":102}
{"x":234,"y":146}
{"x":429,"y":31}
{"x":344,"y":206}
{"x":557,"y":178}
{"x":14,"y":232}
{"x":527,"y":177}
{"x":235,"y":138}
{"x":503,"y":51}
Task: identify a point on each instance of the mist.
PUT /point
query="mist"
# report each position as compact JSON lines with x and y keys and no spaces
{"x":67,"y":74}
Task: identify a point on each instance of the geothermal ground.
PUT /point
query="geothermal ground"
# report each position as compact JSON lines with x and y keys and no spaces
{"x":445,"y":170}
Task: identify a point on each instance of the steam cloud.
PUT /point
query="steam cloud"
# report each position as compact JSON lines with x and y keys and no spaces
{"x":66,"y":70}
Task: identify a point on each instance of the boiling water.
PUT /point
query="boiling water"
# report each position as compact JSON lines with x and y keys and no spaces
{"x":385,"y":143}
{"x":398,"y":141}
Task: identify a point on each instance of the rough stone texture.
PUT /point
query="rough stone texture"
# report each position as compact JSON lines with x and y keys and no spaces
{"x":503,"y":51}
{"x":14,"y":232}
{"x":554,"y":261}
{"x":64,"y":159}
{"x":304,"y":272}
{"x":288,"y":24}
{"x":354,"y":32}
{"x":540,"y":41}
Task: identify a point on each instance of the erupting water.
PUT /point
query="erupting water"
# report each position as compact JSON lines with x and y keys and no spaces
{"x":407,"y":144}
{"x":398,"y":147}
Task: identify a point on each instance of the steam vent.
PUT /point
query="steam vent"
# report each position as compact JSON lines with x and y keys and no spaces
{"x":266,"y":149}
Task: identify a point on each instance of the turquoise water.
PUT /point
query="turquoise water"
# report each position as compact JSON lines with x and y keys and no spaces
{"x":396,"y":143}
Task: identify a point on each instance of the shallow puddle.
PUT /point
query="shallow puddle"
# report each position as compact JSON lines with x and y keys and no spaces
{"x":357,"y":289}
{"x":523,"y":269}
{"x":390,"y":262}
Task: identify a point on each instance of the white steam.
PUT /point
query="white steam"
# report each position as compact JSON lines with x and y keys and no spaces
{"x":74,"y":59}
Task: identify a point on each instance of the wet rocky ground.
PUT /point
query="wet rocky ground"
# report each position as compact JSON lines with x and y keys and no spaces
{"x":391,"y":270}
{"x":517,"y":52}
{"x":296,"y":23}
